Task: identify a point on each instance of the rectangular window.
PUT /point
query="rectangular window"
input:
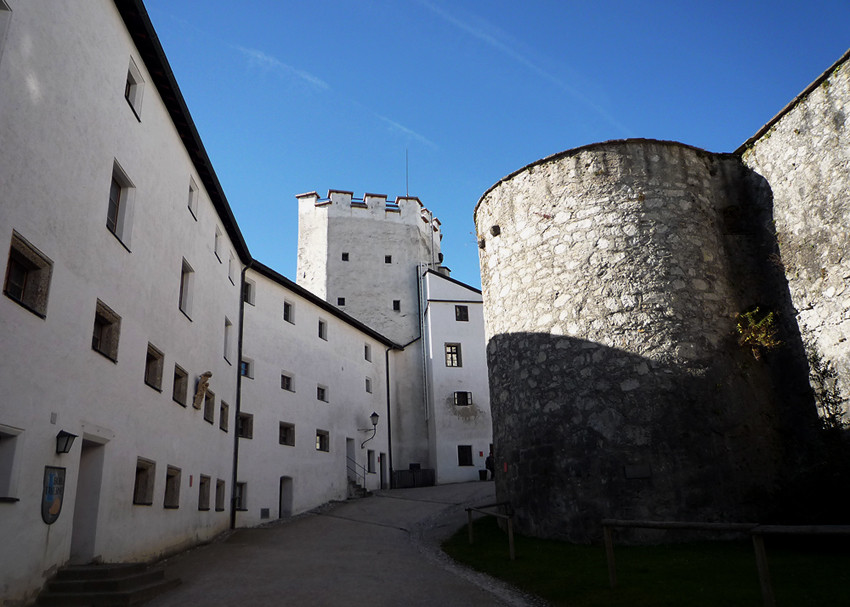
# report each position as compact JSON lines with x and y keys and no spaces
{"x":107,"y":328}
{"x":172,"y":488}
{"x":370,"y":461}
{"x":153,"y":367}
{"x":232,"y":268}
{"x":462,"y":313}
{"x":119,"y":210}
{"x":246,"y":368}
{"x":322,"y":393}
{"x":209,"y":406}
{"x":245,"y":425}
{"x":219,"y":243}
{"x":219,"y":495}
{"x":8,"y":447}
{"x":193,"y":198}
{"x":367,"y":352}
{"x":323,"y":440}
{"x":464,"y":455}
{"x":143,"y":487}
{"x":463,"y":399}
{"x":340,"y":301}
{"x":240,"y":496}
{"x":323,"y":330}
{"x":345,"y":256}
{"x":287,"y":434}
{"x":388,"y":258}
{"x":187,"y":281}
{"x":286,"y":382}
{"x":288,"y":312}
{"x":204,"y":493}
{"x":224,"y":416}
{"x":248,"y":289}
{"x":453,"y":355}
{"x":397,"y":305}
{"x":369,"y":385}
{"x":28,"y":274}
{"x":133,"y":88}
{"x":181,"y":385}
{"x":228,"y":339}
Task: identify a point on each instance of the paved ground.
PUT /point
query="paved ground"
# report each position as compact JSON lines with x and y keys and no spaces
{"x":377,"y":551}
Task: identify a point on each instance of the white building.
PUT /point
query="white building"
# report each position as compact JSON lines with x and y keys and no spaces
{"x":204,"y":390}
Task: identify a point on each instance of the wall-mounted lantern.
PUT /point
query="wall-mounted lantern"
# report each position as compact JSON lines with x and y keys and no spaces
{"x":64,"y":441}
{"x":374,"y":419}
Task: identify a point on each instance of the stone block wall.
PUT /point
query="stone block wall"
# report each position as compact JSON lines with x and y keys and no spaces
{"x":612,"y":276}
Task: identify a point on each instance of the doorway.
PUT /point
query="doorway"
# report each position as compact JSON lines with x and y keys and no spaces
{"x":87,"y":502}
{"x":351,"y":463}
{"x":285,"y":499}
{"x":383,"y":468}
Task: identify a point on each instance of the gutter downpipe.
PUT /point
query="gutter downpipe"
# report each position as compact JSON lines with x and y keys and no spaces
{"x":389,"y":419}
{"x":238,"y":397}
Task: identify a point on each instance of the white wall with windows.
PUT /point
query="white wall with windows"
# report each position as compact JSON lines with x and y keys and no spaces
{"x":309,"y":400}
{"x":98,"y":184}
{"x":460,"y":424}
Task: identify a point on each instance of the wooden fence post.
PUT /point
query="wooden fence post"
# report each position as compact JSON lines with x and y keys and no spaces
{"x":609,"y":555}
{"x":764,"y":572}
{"x":511,"y":538}
{"x":469,"y":523}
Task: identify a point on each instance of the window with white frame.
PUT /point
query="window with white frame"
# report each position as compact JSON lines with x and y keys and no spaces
{"x":143,"y":486}
{"x":453,"y":358}
{"x":106,"y":331}
{"x":323,"y":440}
{"x":133,"y":88}
{"x":119,"y":211}
{"x":463,"y":399}
{"x":28,"y":274}
{"x":154,"y":360}
{"x":203,"y":492}
{"x":246,"y":368}
{"x":187,"y":283}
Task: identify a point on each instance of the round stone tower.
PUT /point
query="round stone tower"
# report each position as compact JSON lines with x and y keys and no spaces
{"x":612,"y":279}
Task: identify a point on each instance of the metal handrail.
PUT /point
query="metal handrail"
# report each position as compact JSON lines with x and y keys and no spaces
{"x":353,"y":466}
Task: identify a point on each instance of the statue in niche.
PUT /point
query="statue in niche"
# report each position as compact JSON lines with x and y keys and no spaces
{"x":201,"y":390}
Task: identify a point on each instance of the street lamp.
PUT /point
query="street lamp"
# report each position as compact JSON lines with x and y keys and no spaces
{"x":64,"y":441}
{"x":374,"y":419}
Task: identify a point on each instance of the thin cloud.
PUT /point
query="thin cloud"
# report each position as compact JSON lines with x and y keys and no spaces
{"x":273,"y":63}
{"x":504,"y":47}
{"x":406,"y":131}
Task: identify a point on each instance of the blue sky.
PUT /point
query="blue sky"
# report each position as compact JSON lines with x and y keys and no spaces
{"x":291,"y":97}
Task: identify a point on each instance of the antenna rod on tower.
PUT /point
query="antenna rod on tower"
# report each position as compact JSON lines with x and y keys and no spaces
{"x":406,"y":174}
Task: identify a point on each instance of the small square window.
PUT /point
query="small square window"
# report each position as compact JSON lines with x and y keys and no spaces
{"x":370,"y":461}
{"x":248,"y":289}
{"x":464,"y":455}
{"x":288,"y":312}
{"x":107,"y":328}
{"x":193,"y":198}
{"x":367,"y":352}
{"x":172,"y":488}
{"x":224,"y":416}
{"x":240,"y":496}
{"x":340,"y":301}
{"x":187,"y":281}
{"x":204,"y":493}
{"x":133,"y":88}
{"x":369,"y":385}
{"x":181,"y":385}
{"x":345,"y":256}
{"x":153,"y":367}
{"x":245,"y":425}
{"x":453,"y":358}
{"x":286,"y":382}
{"x":246,"y":368}
{"x":209,"y":406}
{"x":397,"y":305}
{"x":322,"y":393}
{"x":219,"y":495}
{"x":143,"y":486}
{"x":119,"y":211}
{"x":27,"y":276}
{"x":388,"y":258}
{"x":287,"y":434}
{"x":323,"y":330}
{"x":323,"y":440}
{"x":463,"y":399}
{"x":462,"y":313}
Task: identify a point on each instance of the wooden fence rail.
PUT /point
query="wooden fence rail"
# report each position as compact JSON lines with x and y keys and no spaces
{"x":508,"y":517}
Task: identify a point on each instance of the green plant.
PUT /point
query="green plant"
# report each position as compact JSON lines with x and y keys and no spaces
{"x":757,"y":331}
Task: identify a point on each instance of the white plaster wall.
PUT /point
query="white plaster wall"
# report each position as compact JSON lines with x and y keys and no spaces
{"x":339,"y":364}
{"x":450,"y":425}
{"x":63,"y":121}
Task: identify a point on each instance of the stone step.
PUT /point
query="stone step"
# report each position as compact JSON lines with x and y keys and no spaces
{"x":105,"y":585}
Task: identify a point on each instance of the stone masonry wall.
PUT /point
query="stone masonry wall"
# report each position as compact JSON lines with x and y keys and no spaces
{"x":612,"y":278}
{"x":805,"y":156}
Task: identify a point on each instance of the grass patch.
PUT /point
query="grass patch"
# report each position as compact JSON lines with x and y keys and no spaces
{"x":807,"y":571}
